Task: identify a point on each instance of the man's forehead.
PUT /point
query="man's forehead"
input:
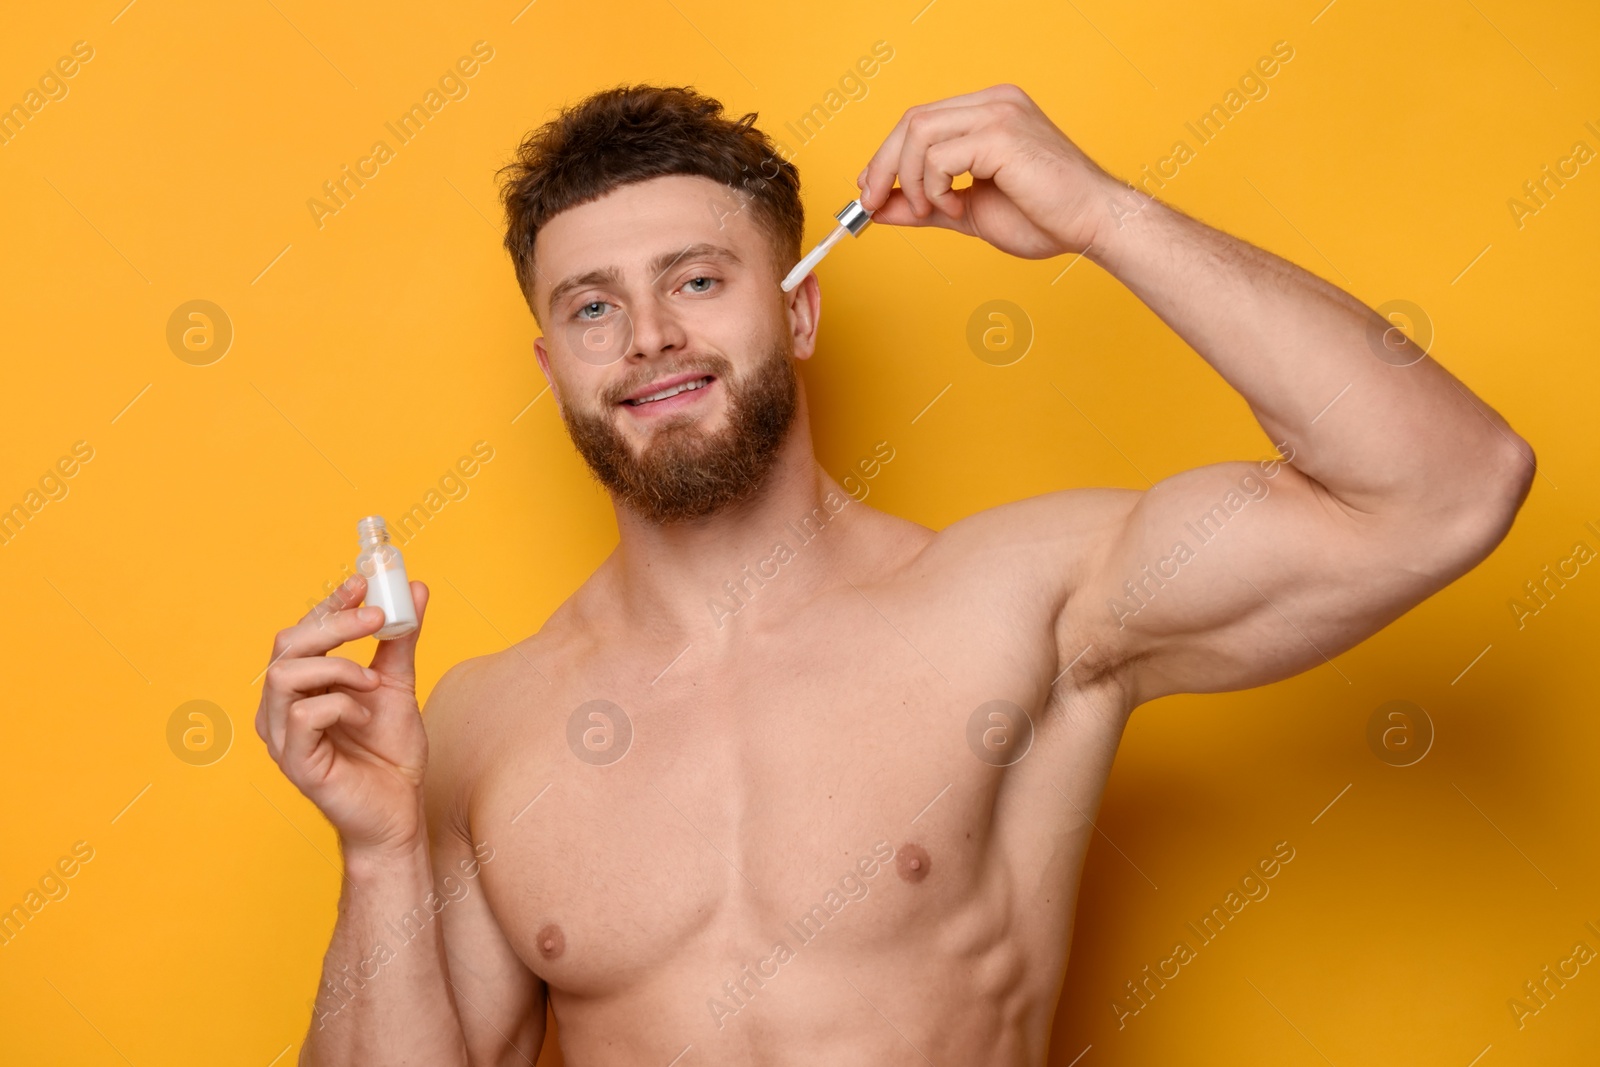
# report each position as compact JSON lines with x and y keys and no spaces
{"x":635,"y":224}
{"x":633,"y":218}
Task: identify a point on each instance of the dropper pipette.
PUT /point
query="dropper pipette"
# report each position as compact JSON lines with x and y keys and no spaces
{"x":853,"y":218}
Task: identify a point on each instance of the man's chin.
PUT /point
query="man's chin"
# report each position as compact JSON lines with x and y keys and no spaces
{"x":671,"y":430}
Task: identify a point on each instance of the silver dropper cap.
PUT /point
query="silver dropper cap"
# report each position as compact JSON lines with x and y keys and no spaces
{"x":854,"y":217}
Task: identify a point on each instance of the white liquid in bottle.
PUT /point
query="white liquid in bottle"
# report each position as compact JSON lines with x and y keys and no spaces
{"x":388,"y":587}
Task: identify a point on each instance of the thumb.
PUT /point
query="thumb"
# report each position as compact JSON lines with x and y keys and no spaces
{"x":397,"y":659}
{"x":896,"y":211}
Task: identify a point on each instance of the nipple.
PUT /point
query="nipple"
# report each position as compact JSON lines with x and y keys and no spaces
{"x":551,"y":941}
{"x":911,"y":862}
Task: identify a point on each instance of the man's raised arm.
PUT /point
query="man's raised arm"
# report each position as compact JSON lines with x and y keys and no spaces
{"x":1394,"y":478}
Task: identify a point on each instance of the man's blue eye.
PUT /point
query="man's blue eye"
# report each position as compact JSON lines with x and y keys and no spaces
{"x":580,"y":313}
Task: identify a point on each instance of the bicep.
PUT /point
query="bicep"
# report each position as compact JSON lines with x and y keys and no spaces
{"x":501,"y":1003}
{"x":1238,"y":574}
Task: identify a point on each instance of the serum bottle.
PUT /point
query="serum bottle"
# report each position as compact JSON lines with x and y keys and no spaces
{"x":387,"y":585}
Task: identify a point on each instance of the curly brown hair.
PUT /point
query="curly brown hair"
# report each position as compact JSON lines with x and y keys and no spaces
{"x":632,"y":133}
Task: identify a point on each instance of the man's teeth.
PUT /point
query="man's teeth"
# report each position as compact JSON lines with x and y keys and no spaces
{"x":698,"y":383}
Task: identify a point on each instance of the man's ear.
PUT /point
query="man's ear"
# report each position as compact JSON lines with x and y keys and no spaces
{"x":804,"y":307}
{"x":544,"y":365}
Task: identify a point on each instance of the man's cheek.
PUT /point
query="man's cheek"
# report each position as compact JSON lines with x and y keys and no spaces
{"x":598,"y":341}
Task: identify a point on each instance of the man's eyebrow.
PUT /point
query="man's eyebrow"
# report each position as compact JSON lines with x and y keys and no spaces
{"x":657,"y":267}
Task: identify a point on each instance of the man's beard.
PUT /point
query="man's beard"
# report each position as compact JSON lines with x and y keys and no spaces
{"x":684,"y":472}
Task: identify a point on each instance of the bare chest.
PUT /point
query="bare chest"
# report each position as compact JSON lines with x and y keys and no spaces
{"x":873,"y":779}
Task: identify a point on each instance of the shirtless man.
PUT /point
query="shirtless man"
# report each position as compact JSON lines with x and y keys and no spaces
{"x":840,"y":819}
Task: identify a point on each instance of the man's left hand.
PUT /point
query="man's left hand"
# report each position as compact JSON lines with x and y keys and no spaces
{"x":1034,"y":193}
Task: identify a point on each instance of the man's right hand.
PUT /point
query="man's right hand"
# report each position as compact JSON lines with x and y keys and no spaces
{"x":350,"y":737}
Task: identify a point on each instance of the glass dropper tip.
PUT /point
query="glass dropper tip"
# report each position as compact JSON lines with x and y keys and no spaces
{"x":853,"y":218}
{"x":808,"y":264}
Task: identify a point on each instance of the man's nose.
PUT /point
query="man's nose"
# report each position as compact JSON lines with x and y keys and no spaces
{"x":657,"y":328}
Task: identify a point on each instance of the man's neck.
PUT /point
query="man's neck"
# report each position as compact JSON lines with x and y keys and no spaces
{"x":692,"y":578}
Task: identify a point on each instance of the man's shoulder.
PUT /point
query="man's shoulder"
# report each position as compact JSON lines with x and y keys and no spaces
{"x":473,"y":706}
{"x":1061,"y":531}
{"x":1015,"y":568}
{"x":479,"y":685}
{"x":468,"y":707}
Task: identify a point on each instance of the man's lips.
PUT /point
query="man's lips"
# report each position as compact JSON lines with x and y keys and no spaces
{"x":673,"y":385}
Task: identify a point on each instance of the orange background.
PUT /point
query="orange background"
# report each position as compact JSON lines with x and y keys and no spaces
{"x":371,"y":352}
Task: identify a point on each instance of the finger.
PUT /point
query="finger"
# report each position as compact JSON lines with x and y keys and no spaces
{"x":296,"y":646}
{"x":924,"y":132}
{"x":978,"y":154}
{"x":397,"y":659}
{"x":296,"y":677}
{"x":878,"y":179}
{"x":889,"y":151}
{"x":877,"y":182}
{"x":292,"y":679}
{"x":314,"y":635}
{"x":348,"y":595}
{"x":308,"y":720}
{"x":896,"y":211}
